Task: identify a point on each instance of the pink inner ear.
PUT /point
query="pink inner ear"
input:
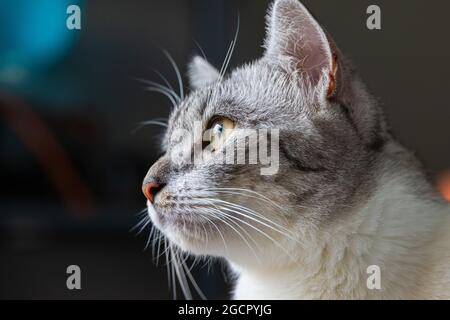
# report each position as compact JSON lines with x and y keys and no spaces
{"x":313,"y":55}
{"x":293,"y":33}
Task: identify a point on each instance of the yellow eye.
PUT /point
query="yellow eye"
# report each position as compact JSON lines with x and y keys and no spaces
{"x":219,"y":130}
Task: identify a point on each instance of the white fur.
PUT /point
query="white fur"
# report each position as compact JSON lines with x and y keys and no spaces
{"x":407,"y":236}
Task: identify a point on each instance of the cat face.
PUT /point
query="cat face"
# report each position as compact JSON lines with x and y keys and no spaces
{"x":328,"y":134}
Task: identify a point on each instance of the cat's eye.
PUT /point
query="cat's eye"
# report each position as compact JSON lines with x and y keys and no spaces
{"x":219,"y":130}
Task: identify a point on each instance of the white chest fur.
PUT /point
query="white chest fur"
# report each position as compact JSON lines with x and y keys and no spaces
{"x":406,"y":236}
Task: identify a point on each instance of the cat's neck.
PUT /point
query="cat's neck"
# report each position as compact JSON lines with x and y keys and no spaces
{"x":395,"y":230}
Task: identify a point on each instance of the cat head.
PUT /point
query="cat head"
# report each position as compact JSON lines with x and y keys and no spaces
{"x":327,"y":133}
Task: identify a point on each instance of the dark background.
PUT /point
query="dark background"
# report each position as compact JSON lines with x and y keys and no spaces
{"x":72,"y":164}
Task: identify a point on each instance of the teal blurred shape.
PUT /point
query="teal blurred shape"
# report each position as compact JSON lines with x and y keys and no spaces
{"x":33,"y":36}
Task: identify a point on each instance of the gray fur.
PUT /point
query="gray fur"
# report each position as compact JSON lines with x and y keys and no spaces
{"x":332,"y":148}
{"x":326,"y":149}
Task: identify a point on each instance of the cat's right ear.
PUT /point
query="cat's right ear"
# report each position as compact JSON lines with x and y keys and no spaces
{"x":201,"y":73}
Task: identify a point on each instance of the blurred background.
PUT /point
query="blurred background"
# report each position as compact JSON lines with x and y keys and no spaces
{"x":72,"y":161}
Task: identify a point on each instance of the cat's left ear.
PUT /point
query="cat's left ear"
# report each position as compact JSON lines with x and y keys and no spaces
{"x":297,"y":42}
{"x":201,"y":73}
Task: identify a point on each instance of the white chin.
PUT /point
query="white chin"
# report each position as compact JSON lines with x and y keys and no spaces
{"x":187,"y":240}
{"x":192,"y":244}
{"x":151,"y":212}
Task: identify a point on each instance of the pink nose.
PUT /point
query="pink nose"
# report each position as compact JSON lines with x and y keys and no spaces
{"x":150,"y":189}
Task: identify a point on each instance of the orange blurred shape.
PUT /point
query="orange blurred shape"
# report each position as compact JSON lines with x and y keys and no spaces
{"x":444,"y":184}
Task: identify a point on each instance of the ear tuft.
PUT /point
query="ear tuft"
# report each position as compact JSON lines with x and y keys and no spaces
{"x":201,"y":73}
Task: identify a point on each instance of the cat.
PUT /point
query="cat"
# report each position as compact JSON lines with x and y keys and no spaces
{"x":346,"y":197}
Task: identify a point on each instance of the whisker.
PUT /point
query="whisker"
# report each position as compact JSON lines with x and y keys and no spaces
{"x":174,"y":284}
{"x":143,"y":220}
{"x":158,"y":249}
{"x":167,"y":264}
{"x":152,"y":231}
{"x":164,"y":79}
{"x":201,"y":50}
{"x":153,"y":84}
{"x":181,"y":276}
{"x":220,"y":233}
{"x":142,"y":212}
{"x":143,"y":226}
{"x":261,"y":232}
{"x":235,"y":230}
{"x":232,"y":207}
{"x":230,"y":51}
{"x":157,"y":235}
{"x":168,"y":95}
{"x":257,"y":194}
{"x":177,"y":71}
{"x":224,"y":62}
{"x":194,"y":283}
{"x":150,"y":122}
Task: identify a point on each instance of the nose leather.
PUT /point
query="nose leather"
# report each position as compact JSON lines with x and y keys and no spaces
{"x":149,"y":189}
